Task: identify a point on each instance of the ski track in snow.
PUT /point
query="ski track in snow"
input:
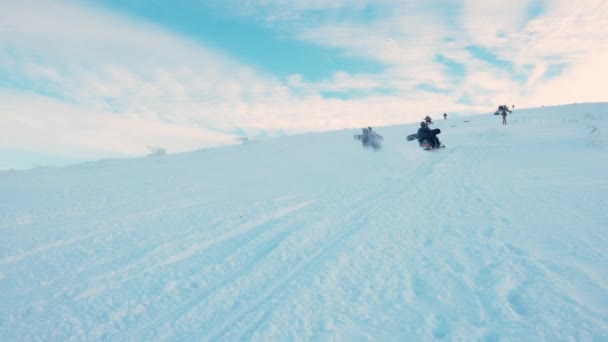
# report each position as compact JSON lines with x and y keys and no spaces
{"x":493,"y":238}
{"x":373,"y":205}
{"x":164,"y":318}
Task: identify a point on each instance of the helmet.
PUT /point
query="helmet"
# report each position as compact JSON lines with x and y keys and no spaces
{"x":423,"y":124}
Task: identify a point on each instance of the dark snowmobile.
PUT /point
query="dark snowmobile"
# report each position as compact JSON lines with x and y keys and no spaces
{"x":370,"y":138}
{"x":427,"y":138}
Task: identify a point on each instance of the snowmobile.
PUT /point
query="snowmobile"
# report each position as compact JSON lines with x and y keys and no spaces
{"x":426,"y":144}
{"x":370,"y":138}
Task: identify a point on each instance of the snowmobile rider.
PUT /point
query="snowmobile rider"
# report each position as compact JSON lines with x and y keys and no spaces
{"x":371,"y":138}
{"x":424,"y":132}
{"x":365,"y":136}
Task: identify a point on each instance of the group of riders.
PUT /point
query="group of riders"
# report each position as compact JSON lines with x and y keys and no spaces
{"x":427,"y":138}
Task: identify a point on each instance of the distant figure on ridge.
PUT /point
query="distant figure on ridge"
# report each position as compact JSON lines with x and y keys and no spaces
{"x":504,"y":117}
{"x":445,"y":116}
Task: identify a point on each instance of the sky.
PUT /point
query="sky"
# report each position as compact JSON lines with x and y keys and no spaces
{"x":313,"y":237}
{"x":83,"y":80}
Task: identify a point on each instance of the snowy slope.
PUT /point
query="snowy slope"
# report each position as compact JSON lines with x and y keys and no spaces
{"x":502,"y":235}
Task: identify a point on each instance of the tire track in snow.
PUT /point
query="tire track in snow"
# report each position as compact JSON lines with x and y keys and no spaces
{"x":166,"y":254}
{"x":483,"y":218}
{"x":264,"y":250}
{"x":202,"y":246}
{"x":271,"y":242}
{"x":274,"y":293}
{"x":48,"y":247}
{"x":54,"y":287}
{"x":360,"y":208}
{"x":501,"y":269}
{"x":155,"y":212}
{"x":501,"y":276}
{"x":279,"y":284}
{"x":67,"y":284}
{"x":434,"y":245}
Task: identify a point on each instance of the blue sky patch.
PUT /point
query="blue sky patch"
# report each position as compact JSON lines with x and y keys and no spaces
{"x":265,"y":48}
{"x":465,"y":99}
{"x":21,"y":82}
{"x":555,"y":70}
{"x":357,"y":93}
{"x":535,"y":9}
{"x":454,"y":69}
{"x":430,"y":88}
{"x":483,"y":54}
{"x":450,"y":13}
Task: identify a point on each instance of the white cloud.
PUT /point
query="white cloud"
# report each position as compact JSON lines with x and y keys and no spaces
{"x":583,"y":82}
{"x":566,"y":34}
{"x":38,"y":123}
{"x":103,"y":73}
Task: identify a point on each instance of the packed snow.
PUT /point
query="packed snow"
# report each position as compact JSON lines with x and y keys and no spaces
{"x":499,"y":236}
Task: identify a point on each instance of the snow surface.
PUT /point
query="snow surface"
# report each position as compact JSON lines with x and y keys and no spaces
{"x":501,"y":236}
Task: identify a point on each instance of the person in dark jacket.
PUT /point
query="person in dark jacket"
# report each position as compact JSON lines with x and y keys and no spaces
{"x":425,"y":133}
{"x":365,"y":136}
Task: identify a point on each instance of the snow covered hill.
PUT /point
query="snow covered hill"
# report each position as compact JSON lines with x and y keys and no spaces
{"x":502,"y":235}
